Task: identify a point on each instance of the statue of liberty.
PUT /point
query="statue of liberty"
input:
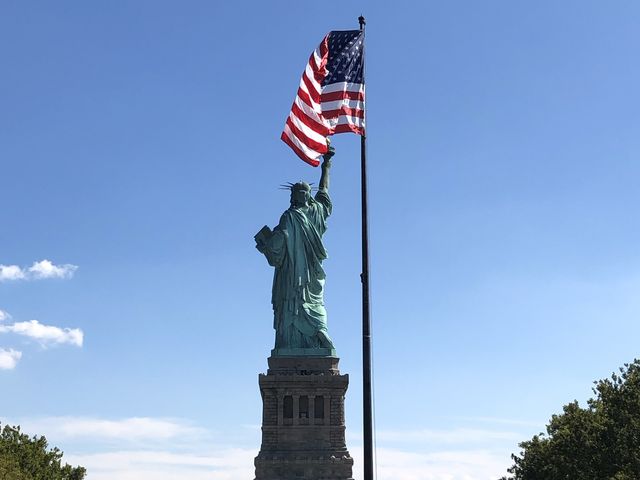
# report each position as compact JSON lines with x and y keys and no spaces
{"x":296,"y":251}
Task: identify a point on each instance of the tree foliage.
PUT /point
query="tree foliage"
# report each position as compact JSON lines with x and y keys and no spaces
{"x":29,"y":458}
{"x":599,"y":442}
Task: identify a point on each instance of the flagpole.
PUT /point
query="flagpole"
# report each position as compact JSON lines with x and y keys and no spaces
{"x":367,"y":413}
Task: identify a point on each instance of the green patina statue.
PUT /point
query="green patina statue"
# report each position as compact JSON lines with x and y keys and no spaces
{"x":296,"y":251}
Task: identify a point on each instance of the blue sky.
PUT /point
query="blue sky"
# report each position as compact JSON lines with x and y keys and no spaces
{"x":140,"y":153}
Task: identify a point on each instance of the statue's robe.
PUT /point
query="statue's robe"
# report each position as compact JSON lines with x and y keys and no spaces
{"x":296,"y":251}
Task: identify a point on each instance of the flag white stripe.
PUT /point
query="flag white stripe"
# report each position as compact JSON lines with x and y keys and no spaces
{"x":309,"y":112}
{"x":347,"y":120}
{"x":317,"y":58}
{"x":310,"y":75}
{"x":309,"y":152}
{"x":337,"y":104}
{"x":343,"y":87}
{"x":313,"y":135}
{"x":314,"y":105}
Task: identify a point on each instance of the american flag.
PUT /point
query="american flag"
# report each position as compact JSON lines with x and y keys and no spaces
{"x":330,"y":98}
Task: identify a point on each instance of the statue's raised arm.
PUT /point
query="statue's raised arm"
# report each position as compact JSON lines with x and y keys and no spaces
{"x":326,"y":165}
{"x":322,"y":197}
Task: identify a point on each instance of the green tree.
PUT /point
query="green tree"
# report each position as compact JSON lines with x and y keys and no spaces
{"x":599,"y":442}
{"x":29,"y":458}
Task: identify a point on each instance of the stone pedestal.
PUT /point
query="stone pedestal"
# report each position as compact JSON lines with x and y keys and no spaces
{"x":303,"y":421}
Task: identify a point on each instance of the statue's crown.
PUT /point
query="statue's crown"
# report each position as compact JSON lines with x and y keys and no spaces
{"x":301,"y":185}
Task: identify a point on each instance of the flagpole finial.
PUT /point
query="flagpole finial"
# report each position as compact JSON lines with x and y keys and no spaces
{"x":362,"y":22}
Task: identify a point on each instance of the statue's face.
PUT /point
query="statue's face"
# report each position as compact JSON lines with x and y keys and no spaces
{"x":299,"y":198}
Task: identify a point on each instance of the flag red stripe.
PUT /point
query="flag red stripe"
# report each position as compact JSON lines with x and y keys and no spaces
{"x":324,"y":49}
{"x":312,"y":113}
{"x":302,"y":95}
{"x":319,"y":71}
{"x":297,"y":151}
{"x":345,"y":128}
{"x":308,"y":121}
{"x":351,"y":112}
{"x":313,"y":92}
{"x":340,"y":95}
{"x":306,"y":150}
{"x":309,"y":142}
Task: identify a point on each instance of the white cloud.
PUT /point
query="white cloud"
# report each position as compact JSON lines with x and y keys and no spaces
{"x":46,"y":269}
{"x":11,"y":272}
{"x":452,"y":436}
{"x":460,"y":453}
{"x":173,"y":449}
{"x":9,"y":358}
{"x":134,"y":429}
{"x":219,"y":464}
{"x":504,"y":421}
{"x":229,"y":463}
{"x":45,"y":334}
{"x":38,"y":271}
{"x":4,"y":315}
{"x":439,"y":465}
